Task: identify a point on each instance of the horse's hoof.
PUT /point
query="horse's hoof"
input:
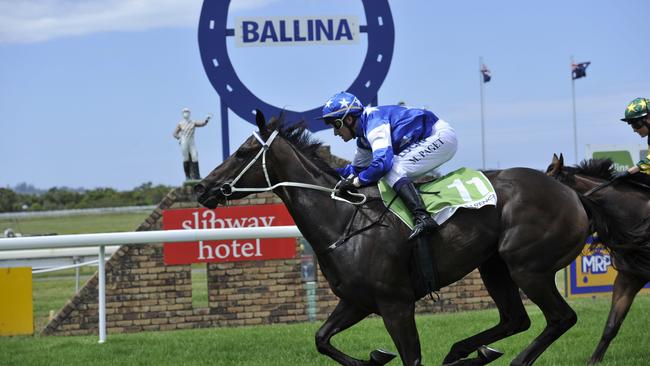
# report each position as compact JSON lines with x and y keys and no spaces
{"x":380,"y":357}
{"x":488,"y":354}
{"x":594,"y":361}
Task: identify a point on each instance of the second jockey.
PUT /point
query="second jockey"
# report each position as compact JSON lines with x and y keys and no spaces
{"x":394,"y":142}
{"x":637,"y":115}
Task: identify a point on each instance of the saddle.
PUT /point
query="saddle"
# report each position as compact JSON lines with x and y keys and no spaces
{"x":462,"y":188}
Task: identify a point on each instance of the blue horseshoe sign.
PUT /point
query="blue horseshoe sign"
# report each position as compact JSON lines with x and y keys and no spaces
{"x":237,"y":97}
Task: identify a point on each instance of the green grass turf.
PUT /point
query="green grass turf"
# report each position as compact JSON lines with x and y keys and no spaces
{"x":294,"y":344}
{"x":76,"y":224}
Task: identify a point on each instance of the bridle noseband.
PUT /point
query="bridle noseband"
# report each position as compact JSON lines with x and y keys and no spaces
{"x":228,"y":188}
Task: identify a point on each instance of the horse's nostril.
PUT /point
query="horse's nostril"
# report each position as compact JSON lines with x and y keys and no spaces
{"x":199,"y":189}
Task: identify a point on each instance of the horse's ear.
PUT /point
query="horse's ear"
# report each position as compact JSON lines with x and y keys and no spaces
{"x":260,"y":120}
{"x":561,"y":159}
{"x":555,"y":159}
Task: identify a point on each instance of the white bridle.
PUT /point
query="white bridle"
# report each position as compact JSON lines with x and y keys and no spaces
{"x":229,"y":188}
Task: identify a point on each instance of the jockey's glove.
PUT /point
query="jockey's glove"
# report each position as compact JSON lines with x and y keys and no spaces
{"x":348,"y":184}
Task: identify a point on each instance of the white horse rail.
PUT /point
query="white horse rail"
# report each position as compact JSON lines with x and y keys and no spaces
{"x":139,"y":238}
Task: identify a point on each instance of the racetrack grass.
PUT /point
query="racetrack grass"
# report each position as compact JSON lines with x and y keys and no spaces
{"x":76,"y":224}
{"x":294,"y":344}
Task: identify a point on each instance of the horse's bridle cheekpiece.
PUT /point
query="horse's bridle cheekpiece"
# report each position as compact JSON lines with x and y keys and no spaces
{"x":228,"y":188}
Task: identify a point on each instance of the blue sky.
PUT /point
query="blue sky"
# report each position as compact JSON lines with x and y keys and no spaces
{"x":90,"y":91}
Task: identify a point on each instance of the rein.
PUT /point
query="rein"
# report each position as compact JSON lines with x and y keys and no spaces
{"x":228,"y":188}
{"x":343,"y":240}
{"x":599,"y":187}
{"x":608,"y":183}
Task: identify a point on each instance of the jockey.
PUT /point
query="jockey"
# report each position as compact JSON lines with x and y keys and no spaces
{"x":394,"y":142}
{"x":637,"y":115}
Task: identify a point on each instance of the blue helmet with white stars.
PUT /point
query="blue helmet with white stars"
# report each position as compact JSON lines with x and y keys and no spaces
{"x":341,"y":105}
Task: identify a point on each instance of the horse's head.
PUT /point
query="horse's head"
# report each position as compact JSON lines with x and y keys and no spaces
{"x":217,"y":187}
{"x":584,"y":176}
{"x":555,"y":168}
{"x":562,"y":173}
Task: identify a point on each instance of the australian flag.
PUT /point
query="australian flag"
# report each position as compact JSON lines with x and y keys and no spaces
{"x":487,"y":75}
{"x":579,"y":70}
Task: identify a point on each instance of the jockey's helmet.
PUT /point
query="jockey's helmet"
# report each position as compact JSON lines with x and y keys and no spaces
{"x":341,"y":105}
{"x":636,"y":109}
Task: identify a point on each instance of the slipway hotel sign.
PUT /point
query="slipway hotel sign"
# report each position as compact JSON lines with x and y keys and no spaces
{"x":228,"y":250}
{"x":295,"y":31}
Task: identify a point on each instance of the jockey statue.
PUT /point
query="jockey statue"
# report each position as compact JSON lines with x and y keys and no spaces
{"x":396,"y":143}
{"x":184,"y":133}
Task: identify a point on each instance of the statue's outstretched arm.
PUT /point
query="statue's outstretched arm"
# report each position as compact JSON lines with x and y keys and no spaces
{"x":204,"y":122}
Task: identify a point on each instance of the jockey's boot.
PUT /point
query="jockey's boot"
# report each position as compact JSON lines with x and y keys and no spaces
{"x":194,"y":170}
{"x":186,"y":169}
{"x":410,"y":195}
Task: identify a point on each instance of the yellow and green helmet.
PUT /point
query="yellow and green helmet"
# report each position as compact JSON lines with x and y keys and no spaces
{"x":639,"y":107}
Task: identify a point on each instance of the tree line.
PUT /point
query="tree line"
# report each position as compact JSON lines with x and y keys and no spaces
{"x":64,"y":199}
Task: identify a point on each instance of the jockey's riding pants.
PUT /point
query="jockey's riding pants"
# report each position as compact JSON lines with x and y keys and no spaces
{"x":425,"y":155}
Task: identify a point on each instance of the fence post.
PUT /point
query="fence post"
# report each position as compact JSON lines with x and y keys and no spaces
{"x":75,"y":261}
{"x":102,"y":295}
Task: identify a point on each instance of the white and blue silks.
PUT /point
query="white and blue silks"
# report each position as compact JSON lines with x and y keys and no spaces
{"x":396,"y":142}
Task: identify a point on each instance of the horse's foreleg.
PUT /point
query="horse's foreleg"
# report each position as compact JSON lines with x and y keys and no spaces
{"x":343,"y":317}
{"x":512,"y":314}
{"x":541,"y":289}
{"x":399,"y":319}
{"x":625,"y":289}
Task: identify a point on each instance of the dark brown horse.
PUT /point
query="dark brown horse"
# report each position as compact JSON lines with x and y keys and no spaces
{"x":537,"y":228}
{"x":629,"y":199}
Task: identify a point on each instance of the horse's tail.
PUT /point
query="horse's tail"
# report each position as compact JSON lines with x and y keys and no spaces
{"x":628,"y":244}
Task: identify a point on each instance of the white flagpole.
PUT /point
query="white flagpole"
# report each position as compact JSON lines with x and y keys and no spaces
{"x":480,"y":80}
{"x":575,"y":128}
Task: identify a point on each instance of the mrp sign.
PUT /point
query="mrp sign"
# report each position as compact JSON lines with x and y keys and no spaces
{"x":592,"y":272}
{"x":280,"y":31}
{"x":228,"y":250}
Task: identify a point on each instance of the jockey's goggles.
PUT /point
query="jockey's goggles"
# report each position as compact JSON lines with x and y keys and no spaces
{"x":637,"y":123}
{"x":338,"y":123}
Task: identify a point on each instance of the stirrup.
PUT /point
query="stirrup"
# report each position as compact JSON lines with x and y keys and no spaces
{"x":423,"y":229}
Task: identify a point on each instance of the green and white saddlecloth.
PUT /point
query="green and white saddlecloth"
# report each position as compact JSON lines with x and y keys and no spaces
{"x":466,"y":188}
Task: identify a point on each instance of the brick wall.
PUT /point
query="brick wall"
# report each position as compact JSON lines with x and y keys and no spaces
{"x":142,"y":293}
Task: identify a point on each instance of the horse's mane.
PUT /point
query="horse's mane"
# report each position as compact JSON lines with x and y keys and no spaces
{"x":299,"y":136}
{"x":599,"y":168}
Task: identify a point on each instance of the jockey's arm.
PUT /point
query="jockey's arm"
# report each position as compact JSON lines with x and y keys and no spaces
{"x":643,"y":165}
{"x":379,"y":137}
{"x":362,"y":158}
